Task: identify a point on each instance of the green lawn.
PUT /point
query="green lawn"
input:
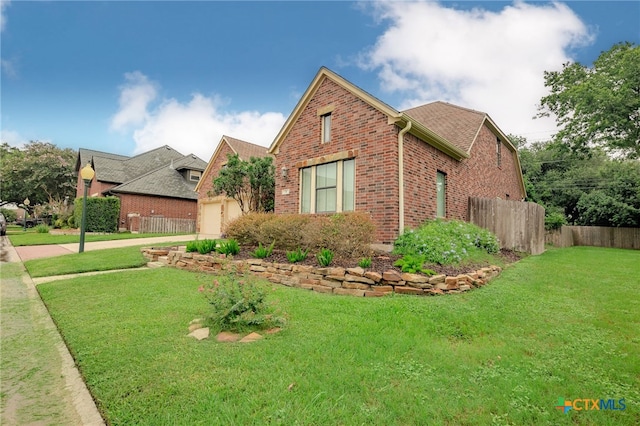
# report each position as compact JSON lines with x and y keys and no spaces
{"x":32,"y":238}
{"x":565,"y":324}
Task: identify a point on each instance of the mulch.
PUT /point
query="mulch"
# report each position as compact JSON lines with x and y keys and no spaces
{"x":380,"y":262}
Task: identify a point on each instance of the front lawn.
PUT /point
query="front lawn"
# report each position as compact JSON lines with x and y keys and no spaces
{"x":565,"y":324}
{"x":33,"y":238}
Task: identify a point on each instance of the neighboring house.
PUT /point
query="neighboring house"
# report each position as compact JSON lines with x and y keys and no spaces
{"x":214,"y":211}
{"x":341,"y":149}
{"x":157,"y":183}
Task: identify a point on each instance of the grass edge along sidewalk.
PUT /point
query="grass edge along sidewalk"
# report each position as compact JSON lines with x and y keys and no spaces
{"x":564,"y":324}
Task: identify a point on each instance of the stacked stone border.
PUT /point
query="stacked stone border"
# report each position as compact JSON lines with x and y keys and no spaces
{"x":344,"y":281}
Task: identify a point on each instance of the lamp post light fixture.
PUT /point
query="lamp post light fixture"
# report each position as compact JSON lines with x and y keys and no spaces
{"x":26,"y":203}
{"x":87,"y":175}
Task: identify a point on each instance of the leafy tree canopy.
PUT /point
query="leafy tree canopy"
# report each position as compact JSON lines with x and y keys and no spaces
{"x":251,"y":183}
{"x":587,"y":190}
{"x":598,"y":106}
{"x":39,"y":171}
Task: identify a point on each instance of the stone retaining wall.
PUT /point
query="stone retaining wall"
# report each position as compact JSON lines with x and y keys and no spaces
{"x":345,"y":281}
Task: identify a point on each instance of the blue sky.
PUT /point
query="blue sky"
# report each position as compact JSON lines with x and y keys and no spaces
{"x":128,"y":76}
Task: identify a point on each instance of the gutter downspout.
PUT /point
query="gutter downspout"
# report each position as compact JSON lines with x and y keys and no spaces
{"x":401,"y":134}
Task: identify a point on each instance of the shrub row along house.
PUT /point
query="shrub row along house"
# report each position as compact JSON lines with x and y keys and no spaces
{"x":157,"y":183}
{"x":342,"y":149}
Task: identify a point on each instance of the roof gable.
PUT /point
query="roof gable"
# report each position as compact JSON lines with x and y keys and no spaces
{"x":163,"y":182}
{"x":244,"y":149}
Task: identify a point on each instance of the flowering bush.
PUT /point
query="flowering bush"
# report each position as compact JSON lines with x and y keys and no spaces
{"x":239,"y":303}
{"x":446,"y":242}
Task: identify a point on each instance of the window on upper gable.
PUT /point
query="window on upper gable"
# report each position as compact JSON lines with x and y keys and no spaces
{"x":326,"y":128}
{"x":499,"y":152}
{"x":195,"y":175}
{"x":441,"y":194}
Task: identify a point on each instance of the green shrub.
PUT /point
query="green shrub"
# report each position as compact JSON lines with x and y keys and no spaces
{"x":239,"y":303}
{"x":445,"y":242}
{"x":365,"y":262}
{"x":102,"y":213}
{"x":297,"y":255}
{"x":59,"y":223}
{"x":9,"y":215}
{"x":262,"y":252}
{"x":42,"y":229}
{"x":206,"y":246}
{"x":192,"y":247}
{"x":324,"y":256}
{"x":71,"y":221}
{"x":229,"y":247}
{"x":346,"y":234}
{"x":554,"y":220}
{"x":413,"y":265}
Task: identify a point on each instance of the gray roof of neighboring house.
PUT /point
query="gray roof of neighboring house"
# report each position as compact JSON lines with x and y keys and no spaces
{"x":155,"y":172}
{"x":456,"y":124}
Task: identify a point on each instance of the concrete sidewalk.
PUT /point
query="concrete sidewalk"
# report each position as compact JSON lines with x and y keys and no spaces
{"x":36,"y":252}
{"x":39,"y":381}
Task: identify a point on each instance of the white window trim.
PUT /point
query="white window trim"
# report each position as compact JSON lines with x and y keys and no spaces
{"x":339,"y":187}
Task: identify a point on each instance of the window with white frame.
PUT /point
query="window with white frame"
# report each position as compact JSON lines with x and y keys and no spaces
{"x":194,"y":175}
{"x":328,"y":188}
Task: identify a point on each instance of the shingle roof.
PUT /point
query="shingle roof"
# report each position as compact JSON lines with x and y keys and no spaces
{"x":155,"y":172}
{"x":165,"y":181}
{"x":456,"y":124}
{"x":246,"y":150}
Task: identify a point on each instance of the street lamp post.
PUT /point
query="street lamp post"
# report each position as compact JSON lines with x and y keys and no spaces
{"x":87,"y":175}
{"x":26,"y":203}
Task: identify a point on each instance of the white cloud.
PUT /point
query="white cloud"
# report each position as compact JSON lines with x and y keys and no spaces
{"x":489,"y":61}
{"x":191,"y":127}
{"x":135,"y":96}
{"x":13,"y":138}
{"x":3,"y":17}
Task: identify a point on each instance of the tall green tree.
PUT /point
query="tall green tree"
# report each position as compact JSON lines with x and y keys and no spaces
{"x":598,"y":106}
{"x":40,"y":171}
{"x":251,"y":183}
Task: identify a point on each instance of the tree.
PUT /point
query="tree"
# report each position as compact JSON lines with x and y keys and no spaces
{"x":598,"y":106}
{"x":251,"y":184}
{"x":40,"y":171}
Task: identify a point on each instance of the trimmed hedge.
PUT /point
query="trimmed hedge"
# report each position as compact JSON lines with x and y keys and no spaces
{"x":102,"y":213}
{"x":347,"y":235}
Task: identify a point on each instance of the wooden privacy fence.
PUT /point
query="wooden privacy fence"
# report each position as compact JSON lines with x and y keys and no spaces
{"x":519,"y":225}
{"x":167,"y":225}
{"x":598,"y":236}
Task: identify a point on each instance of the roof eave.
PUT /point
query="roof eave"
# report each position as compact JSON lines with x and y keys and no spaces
{"x":433,"y":139}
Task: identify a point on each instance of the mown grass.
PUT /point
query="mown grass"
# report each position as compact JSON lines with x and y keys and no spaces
{"x":563,"y":324}
{"x":32,"y":238}
{"x":89,"y":261}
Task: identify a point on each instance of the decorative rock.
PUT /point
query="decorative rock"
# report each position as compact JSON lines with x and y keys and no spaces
{"x":200,"y":333}
{"x":419,"y":285}
{"x":348,"y":292}
{"x":465,"y":287}
{"x":322,"y":289}
{"x":338,"y":272}
{"x":373,"y":293}
{"x":251,"y":338}
{"x":437,"y":279}
{"x":359,"y":279}
{"x":382,"y":288}
{"x":273,"y":330}
{"x":358,"y":271}
{"x":256,"y":268}
{"x":194,"y":327}
{"x":226,"y":336}
{"x":331,"y":283}
{"x":391,"y":276}
{"x":356,"y":285}
{"x":407,"y":290}
{"x":373,"y":276}
{"x":414,"y":278}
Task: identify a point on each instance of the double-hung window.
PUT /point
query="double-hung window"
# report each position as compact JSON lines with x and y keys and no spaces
{"x":328,"y":188}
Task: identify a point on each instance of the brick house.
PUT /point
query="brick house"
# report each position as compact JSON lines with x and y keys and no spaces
{"x":341,"y":149}
{"x":157,"y":183}
{"x":214,"y":211}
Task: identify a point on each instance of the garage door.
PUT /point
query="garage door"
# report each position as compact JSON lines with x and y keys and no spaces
{"x":210,"y":221}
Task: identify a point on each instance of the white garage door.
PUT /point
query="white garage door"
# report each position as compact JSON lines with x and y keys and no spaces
{"x":211,"y":219}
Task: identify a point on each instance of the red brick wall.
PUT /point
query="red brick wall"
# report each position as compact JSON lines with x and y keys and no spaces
{"x":478,"y":176}
{"x":147,"y":205}
{"x":358,"y":126}
{"x":355,"y":125}
{"x":96,"y":187}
